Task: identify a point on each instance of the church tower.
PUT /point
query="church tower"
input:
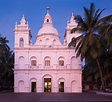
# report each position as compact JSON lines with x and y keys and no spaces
{"x":70,"y":25}
{"x":22,"y":34}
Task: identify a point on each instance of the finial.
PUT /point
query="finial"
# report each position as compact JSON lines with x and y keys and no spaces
{"x":48,"y":9}
{"x":23,"y":15}
{"x":68,"y":22}
{"x":72,"y":14}
{"x":16,"y":23}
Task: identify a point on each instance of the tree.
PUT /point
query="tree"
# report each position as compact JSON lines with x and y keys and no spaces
{"x":6,"y":64}
{"x":89,"y":44}
{"x":106,"y":37}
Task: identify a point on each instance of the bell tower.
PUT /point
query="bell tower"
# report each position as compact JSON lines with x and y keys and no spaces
{"x":70,"y":25}
{"x":22,"y":34}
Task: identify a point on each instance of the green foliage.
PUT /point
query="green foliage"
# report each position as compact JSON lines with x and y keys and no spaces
{"x":6,"y":65}
{"x":95,"y":43}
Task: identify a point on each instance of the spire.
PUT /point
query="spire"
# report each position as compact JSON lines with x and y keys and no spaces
{"x":48,"y":18}
{"x":48,"y":9}
{"x":72,"y":19}
{"x":23,"y":20}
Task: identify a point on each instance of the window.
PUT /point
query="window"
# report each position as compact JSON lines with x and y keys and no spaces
{"x":47,"y":42}
{"x":33,"y":63}
{"x":40,"y":42}
{"x":47,"y":62}
{"x":21,"y":43}
{"x":47,"y":20}
{"x":54,"y":42}
{"x":61,"y":63}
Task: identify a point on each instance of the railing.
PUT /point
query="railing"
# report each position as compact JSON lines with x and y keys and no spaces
{"x":61,"y":67}
{"x":34,"y":67}
{"x":42,"y":67}
{"x":47,"y":67}
{"x":48,"y":46}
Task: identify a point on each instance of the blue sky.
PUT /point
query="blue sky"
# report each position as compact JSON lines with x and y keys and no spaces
{"x":11,"y":11}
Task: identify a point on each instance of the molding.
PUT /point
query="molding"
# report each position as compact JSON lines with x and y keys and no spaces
{"x":15,"y":70}
{"x":40,"y":48}
{"x":48,"y":34}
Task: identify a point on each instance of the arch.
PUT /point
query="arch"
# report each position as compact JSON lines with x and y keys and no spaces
{"x":33,"y":84}
{"x":21,"y":42}
{"x":54,"y":42}
{"x":73,"y":61}
{"x":47,"y":80}
{"x":61,"y":61}
{"x":40,"y":42}
{"x":47,"y":41}
{"x":21,"y":62}
{"x":61,"y":84}
{"x":73,"y":86}
{"x":47,"y":58}
{"x":21,"y":86}
{"x":47,"y":76}
{"x":61,"y":79}
{"x":47,"y":61}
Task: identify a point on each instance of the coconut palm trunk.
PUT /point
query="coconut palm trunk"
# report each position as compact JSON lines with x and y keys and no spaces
{"x":101,"y":74}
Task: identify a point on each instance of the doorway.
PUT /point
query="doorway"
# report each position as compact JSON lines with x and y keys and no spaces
{"x":61,"y":86}
{"x":33,"y":86}
{"x":47,"y":84}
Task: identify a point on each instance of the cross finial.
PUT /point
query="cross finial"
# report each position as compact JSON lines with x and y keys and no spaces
{"x":48,"y":9}
{"x":23,"y":15}
{"x":72,"y":14}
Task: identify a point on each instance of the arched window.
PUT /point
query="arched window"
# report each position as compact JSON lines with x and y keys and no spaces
{"x":40,"y":42}
{"x":54,"y":42}
{"x":73,"y":39}
{"x":47,"y":61}
{"x":61,"y":61}
{"x":47,"y":20}
{"x":33,"y":61}
{"x":47,"y":41}
{"x":21,"y":42}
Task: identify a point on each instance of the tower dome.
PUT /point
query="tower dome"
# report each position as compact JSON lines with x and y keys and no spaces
{"x":48,"y":35}
{"x":47,"y":27}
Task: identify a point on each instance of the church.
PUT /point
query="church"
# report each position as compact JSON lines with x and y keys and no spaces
{"x":47,"y":65}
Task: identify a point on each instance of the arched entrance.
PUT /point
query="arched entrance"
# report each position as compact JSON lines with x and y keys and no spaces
{"x":47,"y":83}
{"x":61,"y":84}
{"x":33,"y":83}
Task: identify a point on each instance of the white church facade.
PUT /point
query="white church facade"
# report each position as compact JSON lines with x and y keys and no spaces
{"x":48,"y":65}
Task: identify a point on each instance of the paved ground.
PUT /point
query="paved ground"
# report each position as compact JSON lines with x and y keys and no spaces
{"x":52,"y":97}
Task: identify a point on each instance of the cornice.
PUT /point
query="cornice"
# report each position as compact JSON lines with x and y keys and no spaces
{"x":40,"y":48}
{"x":48,"y":70}
{"x":48,"y":34}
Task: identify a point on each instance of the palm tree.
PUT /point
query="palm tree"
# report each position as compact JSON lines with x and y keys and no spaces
{"x":3,"y":44}
{"x":6,"y":64}
{"x":106,"y":32}
{"x":106,"y":37}
{"x":89,"y":44}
